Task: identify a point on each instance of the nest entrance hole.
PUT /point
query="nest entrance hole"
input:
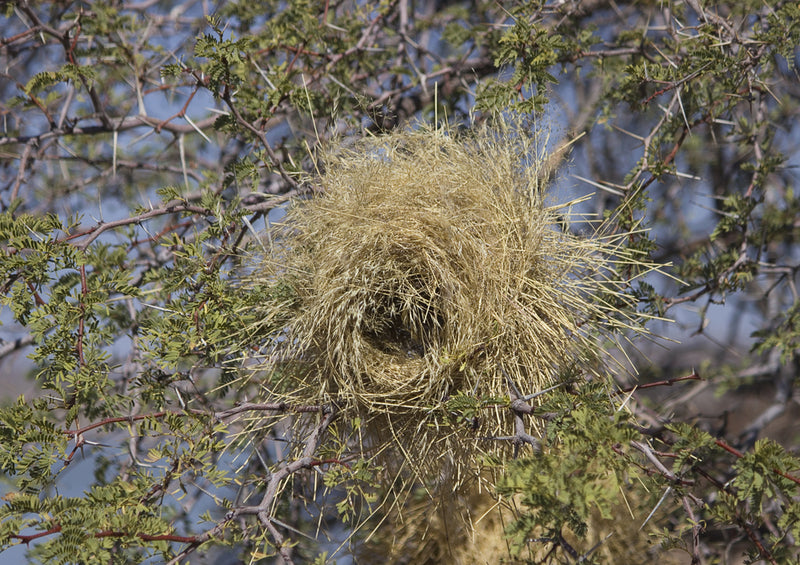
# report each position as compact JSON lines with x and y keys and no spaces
{"x":406,"y":328}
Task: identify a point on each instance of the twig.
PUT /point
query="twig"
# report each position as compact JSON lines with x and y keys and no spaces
{"x":669,"y":382}
{"x":28,"y":538}
{"x":695,"y":531}
{"x":127,"y":123}
{"x":739,"y":454}
{"x":654,"y":460}
{"x":222,"y":415}
{"x":262,"y":138}
{"x":171,"y":207}
{"x":265,"y":508}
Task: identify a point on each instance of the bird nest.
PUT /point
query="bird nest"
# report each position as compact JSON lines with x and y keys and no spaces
{"x":432,"y":266}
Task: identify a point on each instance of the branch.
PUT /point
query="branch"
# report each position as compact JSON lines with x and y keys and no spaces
{"x":262,"y":138}
{"x":221,"y":415}
{"x":644,"y":448}
{"x":651,"y":456}
{"x":171,"y":207}
{"x":268,"y":407}
{"x":732,"y":450}
{"x":669,"y":382}
{"x":265,"y":508}
{"x":12,"y":346}
{"x":519,"y":407}
{"x":124,"y":124}
{"x":27,"y":539}
{"x":695,"y":531}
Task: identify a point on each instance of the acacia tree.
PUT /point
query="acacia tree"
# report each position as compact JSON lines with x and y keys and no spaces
{"x":148,"y":146}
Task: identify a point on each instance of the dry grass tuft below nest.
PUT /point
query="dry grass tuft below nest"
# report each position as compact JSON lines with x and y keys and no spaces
{"x":430,"y":265}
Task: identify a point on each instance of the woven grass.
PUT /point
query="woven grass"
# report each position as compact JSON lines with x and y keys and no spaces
{"x":431,"y":264}
{"x":470,"y":530}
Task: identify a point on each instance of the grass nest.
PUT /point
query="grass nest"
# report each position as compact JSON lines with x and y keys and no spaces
{"x":428,"y":277}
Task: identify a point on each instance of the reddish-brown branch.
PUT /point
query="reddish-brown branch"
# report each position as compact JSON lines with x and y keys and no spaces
{"x":20,"y":35}
{"x":149,"y":537}
{"x":44,"y":110}
{"x":669,"y":302}
{"x":221,"y":415}
{"x":732,"y":450}
{"x":729,"y":448}
{"x":786,"y":476}
{"x":116,"y":420}
{"x":74,"y":42}
{"x":669,"y":382}
{"x":182,"y":112}
{"x":123,"y":124}
{"x":319,"y":462}
{"x":27,"y":539}
{"x":293,"y":61}
{"x":172,"y":207}
{"x":37,"y":298}
{"x":162,"y":486}
{"x":162,"y":233}
{"x":763,"y":551}
{"x":660,"y":92}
